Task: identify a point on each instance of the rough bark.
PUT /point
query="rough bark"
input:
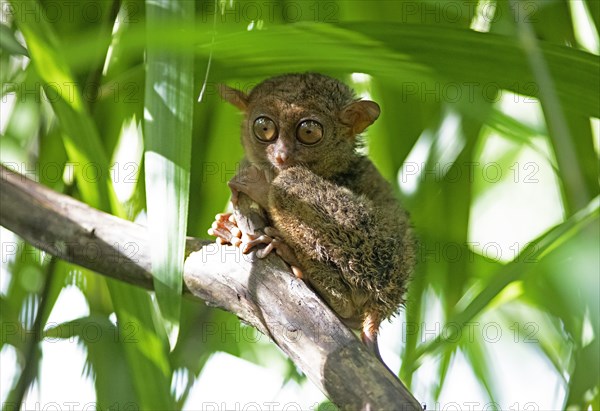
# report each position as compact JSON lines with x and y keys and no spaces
{"x":262,"y":293}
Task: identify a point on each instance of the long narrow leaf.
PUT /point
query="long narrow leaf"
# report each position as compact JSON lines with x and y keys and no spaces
{"x":575,"y":190}
{"x":512,"y":271}
{"x":147,"y":357}
{"x":168,"y":134}
{"x":403,"y":54}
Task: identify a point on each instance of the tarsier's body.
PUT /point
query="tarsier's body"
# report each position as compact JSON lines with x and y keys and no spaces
{"x":334,"y":218}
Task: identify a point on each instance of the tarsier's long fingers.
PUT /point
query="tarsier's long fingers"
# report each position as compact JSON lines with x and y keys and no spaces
{"x":251,"y":241}
{"x":225,"y":229}
{"x":272,"y":239}
{"x":267,"y":250}
{"x":283,"y":250}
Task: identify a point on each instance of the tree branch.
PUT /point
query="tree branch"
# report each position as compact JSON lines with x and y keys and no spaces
{"x":261,"y":292}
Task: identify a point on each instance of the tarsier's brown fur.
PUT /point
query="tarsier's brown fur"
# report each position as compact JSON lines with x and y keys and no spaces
{"x":335,"y":214}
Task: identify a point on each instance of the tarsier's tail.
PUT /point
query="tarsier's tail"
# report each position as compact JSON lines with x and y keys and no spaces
{"x":368,"y":335}
{"x":369,"y":332}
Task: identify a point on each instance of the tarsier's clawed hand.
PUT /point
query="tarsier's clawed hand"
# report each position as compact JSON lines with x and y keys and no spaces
{"x":227,"y":232}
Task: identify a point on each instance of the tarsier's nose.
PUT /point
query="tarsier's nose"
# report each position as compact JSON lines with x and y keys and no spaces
{"x":281,"y":157}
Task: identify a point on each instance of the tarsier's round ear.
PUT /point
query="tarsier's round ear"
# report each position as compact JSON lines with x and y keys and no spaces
{"x":234,"y":96}
{"x":359,"y":115}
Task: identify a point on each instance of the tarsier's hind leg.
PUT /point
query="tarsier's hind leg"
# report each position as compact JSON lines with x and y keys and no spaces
{"x":325,"y":280}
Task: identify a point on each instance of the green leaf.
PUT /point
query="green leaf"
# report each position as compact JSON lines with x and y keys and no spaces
{"x":217,"y":153}
{"x":9,"y":43}
{"x":511,"y":272}
{"x":168,"y":138}
{"x":102,"y":339}
{"x":147,"y":358}
{"x":81,"y":138}
{"x":500,"y":63}
{"x":410,"y":56}
{"x":479,"y":360}
{"x":145,"y":347}
{"x":585,"y":378}
{"x":417,"y":55}
{"x":575,"y":193}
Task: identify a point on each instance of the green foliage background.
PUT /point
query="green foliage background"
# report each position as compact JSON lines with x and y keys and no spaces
{"x":78,"y":77}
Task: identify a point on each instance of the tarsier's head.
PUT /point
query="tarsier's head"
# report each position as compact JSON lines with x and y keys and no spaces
{"x":302,"y":119}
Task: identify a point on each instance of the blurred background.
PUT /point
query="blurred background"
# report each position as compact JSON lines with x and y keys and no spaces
{"x":489,"y":132}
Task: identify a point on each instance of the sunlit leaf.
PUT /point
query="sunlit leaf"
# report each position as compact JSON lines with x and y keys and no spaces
{"x":513,"y":270}
{"x":168,"y":138}
{"x":448,"y":96}
{"x":147,"y":357}
{"x":9,"y":43}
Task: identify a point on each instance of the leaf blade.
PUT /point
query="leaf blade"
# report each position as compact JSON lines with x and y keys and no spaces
{"x":168,"y":112}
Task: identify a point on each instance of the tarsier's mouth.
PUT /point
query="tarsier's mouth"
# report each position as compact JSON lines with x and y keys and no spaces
{"x":282,"y":166}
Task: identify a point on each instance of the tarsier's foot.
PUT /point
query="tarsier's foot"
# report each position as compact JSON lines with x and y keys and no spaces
{"x":272,"y":238}
{"x":226,"y":230}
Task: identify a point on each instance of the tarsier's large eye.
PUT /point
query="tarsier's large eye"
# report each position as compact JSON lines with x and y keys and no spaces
{"x":309,"y":132}
{"x":265,"y":129}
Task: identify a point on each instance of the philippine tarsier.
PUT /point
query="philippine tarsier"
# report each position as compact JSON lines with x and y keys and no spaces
{"x":333,"y":218}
